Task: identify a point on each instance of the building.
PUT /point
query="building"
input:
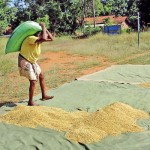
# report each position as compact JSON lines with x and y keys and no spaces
{"x":101,"y":20}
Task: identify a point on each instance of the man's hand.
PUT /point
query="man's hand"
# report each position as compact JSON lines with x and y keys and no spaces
{"x":46,"y":35}
{"x":42,"y":24}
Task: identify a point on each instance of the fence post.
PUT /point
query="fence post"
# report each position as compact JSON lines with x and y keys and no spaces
{"x":94,"y":12}
{"x":138,"y":30}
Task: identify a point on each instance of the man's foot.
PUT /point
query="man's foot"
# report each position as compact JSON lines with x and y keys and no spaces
{"x":47,"y":98}
{"x":33,"y":104}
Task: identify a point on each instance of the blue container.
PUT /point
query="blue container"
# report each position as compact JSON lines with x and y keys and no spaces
{"x":113,"y":29}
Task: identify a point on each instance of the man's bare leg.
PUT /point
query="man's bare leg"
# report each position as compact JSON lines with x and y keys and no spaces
{"x":42,"y":85}
{"x":31,"y":93}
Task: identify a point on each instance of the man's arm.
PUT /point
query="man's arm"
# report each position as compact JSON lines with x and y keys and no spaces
{"x":46,"y":35}
{"x":50,"y":37}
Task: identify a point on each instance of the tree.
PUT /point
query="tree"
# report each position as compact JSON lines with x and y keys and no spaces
{"x":119,"y":7}
{"x":27,"y":10}
{"x":99,"y":9}
{"x":144,"y":7}
{"x":107,"y":6}
{"x":71,"y":12}
{"x":132,"y":13}
{"x":53,"y":10}
{"x":59,"y":16}
{"x":6,"y":14}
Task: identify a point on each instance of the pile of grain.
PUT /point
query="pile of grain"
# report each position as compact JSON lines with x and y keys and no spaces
{"x":80,"y":126}
{"x":48,"y":117}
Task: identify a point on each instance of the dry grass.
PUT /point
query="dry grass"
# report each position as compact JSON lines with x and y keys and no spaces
{"x":112,"y":47}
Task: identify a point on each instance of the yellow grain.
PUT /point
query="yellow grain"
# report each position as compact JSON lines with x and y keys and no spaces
{"x":80,"y":126}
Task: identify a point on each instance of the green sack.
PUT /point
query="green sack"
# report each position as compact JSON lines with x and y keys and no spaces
{"x":19,"y":34}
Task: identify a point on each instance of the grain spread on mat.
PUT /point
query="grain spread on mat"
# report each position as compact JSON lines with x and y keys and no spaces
{"x":80,"y":126}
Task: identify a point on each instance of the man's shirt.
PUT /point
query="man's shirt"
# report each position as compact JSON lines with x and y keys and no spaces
{"x":30,"y":50}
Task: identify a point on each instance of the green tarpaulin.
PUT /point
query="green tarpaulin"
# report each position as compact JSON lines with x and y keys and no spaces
{"x":133,"y":74}
{"x":86,"y":95}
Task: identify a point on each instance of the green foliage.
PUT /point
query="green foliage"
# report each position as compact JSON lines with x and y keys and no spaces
{"x":91,"y":30}
{"x":132,"y":14}
{"x":107,"y":6}
{"x":59,"y":16}
{"x":119,"y":7}
{"x":63,"y":17}
{"x":70,"y":14}
{"x":107,"y":21}
{"x":98,"y":6}
{"x":128,"y":30}
{"x":53,"y":10}
{"x":6,"y":14}
{"x":44,"y":19}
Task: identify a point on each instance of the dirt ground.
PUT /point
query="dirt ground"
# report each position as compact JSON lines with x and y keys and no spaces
{"x":49,"y":59}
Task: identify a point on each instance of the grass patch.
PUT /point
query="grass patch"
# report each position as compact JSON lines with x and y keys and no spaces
{"x":87,"y":64}
{"x":115,"y":47}
{"x":138,"y":60}
{"x":8,"y":64}
{"x":54,"y":77}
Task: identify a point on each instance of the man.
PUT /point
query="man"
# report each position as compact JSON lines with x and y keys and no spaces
{"x":28,"y":67}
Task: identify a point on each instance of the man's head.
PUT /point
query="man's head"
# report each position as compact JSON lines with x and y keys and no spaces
{"x":38,"y":34}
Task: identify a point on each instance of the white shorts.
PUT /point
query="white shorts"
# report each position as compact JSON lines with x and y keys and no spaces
{"x":27,"y":69}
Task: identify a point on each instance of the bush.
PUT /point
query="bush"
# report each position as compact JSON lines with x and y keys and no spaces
{"x":128,"y":30}
{"x":44,"y":19}
{"x":91,"y":30}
